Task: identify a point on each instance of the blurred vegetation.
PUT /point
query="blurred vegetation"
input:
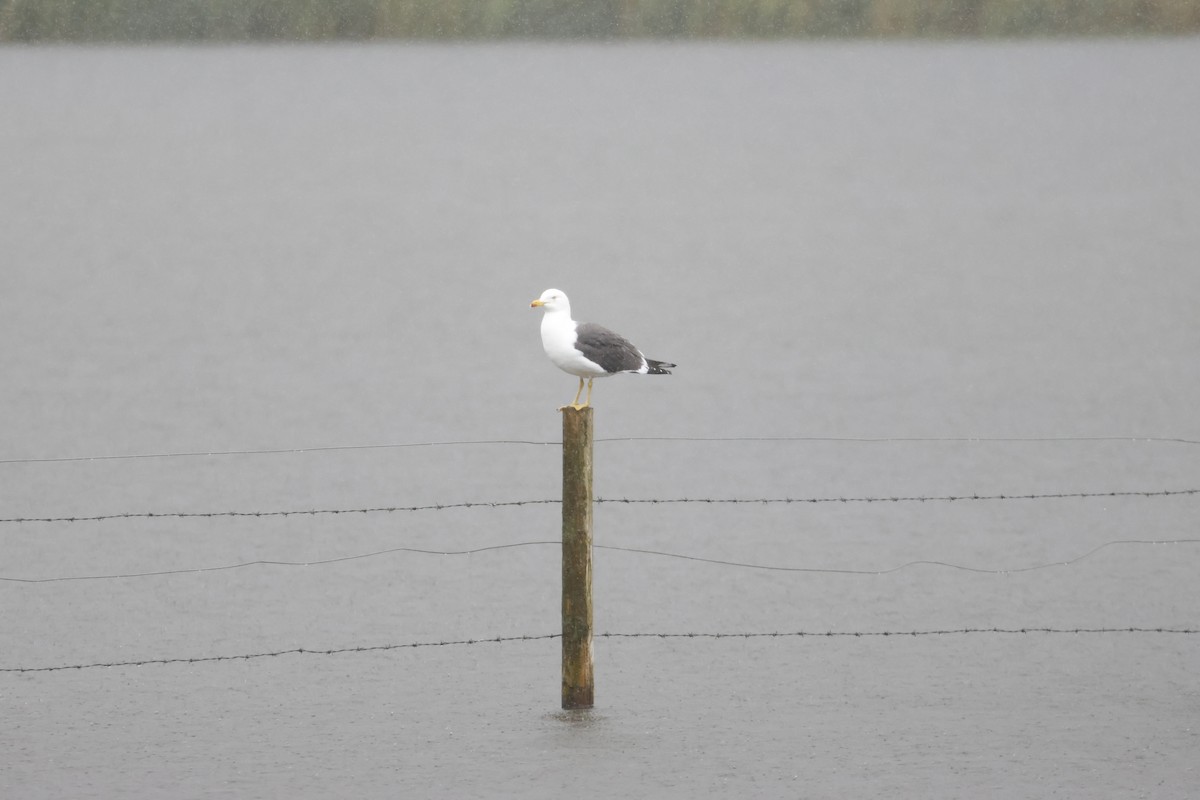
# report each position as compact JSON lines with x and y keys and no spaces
{"x":254,"y":20}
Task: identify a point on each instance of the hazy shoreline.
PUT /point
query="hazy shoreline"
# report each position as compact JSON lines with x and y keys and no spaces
{"x":322,"y":20}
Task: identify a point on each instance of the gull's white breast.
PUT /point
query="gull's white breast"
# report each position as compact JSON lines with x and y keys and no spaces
{"x":558,"y":340}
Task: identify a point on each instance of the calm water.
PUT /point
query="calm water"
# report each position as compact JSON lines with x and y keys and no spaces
{"x":250,"y":248}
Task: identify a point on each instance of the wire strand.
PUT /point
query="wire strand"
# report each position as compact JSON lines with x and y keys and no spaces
{"x":293,"y":651}
{"x":615,"y":548}
{"x":906,"y":565}
{"x":275,"y":563}
{"x":904,"y":498}
{"x":267,"y":451}
{"x":626,"y":501}
{"x":647,"y":635}
{"x":478,"y":442}
{"x":287,"y":513}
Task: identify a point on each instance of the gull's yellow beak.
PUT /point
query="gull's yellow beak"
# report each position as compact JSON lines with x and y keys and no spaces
{"x":536,"y":303}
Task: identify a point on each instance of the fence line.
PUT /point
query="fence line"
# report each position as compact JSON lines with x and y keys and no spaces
{"x":812,"y":439}
{"x":504,"y":639}
{"x":615,"y":548}
{"x":626,"y":501}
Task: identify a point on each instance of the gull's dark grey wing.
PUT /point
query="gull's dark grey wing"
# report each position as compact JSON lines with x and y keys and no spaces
{"x":613,"y":352}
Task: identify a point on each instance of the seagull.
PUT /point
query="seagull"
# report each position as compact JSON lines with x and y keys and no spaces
{"x":588,"y":350}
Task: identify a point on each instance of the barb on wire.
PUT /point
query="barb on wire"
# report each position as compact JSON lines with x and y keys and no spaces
{"x":645,"y":635}
{"x":480,"y":442}
{"x":634,"y":550}
{"x":625,"y":501}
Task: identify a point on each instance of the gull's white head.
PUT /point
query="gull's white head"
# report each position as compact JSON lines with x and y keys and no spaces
{"x":552,"y":300}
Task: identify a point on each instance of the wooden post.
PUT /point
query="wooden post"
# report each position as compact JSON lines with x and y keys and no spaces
{"x":578,"y":684}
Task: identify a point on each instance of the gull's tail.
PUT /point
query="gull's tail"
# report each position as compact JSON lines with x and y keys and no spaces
{"x":658,"y":367}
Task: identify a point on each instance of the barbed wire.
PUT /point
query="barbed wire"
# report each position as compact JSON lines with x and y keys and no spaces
{"x":906,"y":498}
{"x":646,"y":635}
{"x":277,"y":653}
{"x":480,"y":442}
{"x":626,"y":501}
{"x":867,"y":634}
{"x":616,"y":548}
{"x":285,"y":513}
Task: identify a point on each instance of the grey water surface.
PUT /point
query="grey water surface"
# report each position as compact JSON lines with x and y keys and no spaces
{"x":870,"y":261}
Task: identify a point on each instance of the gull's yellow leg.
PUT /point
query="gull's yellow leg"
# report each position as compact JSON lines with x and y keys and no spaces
{"x":587,"y":402}
{"x":575,"y":405}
